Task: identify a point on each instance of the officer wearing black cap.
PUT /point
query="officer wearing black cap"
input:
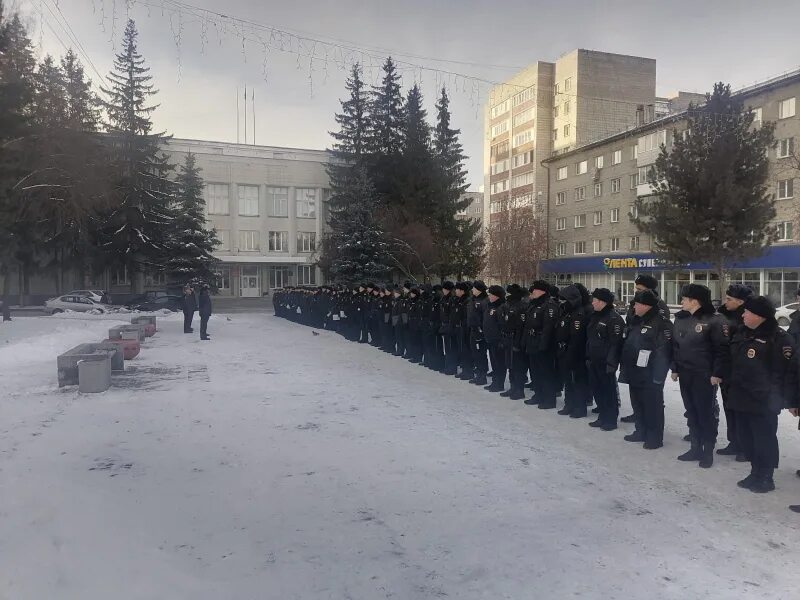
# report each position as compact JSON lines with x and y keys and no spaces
{"x":763,"y":381}
{"x":603,"y":346}
{"x":645,"y":361}
{"x":732,"y":310}
{"x":445,"y":334}
{"x":461,"y":332}
{"x":386,"y":329}
{"x":475,"y":310}
{"x":700,"y":359}
{"x":493,"y":334}
{"x":571,"y":352}
{"x":414,"y":330}
{"x":541,"y":319}
{"x":398,"y":325}
{"x":513,"y":316}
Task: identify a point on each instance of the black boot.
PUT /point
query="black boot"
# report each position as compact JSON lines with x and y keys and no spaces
{"x":506,"y":394}
{"x":794,"y":508}
{"x":764,"y":482}
{"x":628,"y":419}
{"x":730,"y":450}
{"x":636,"y":436}
{"x":741,"y":458}
{"x":694,"y":453}
{"x":547,"y":405}
{"x":596,"y":423}
{"x":517,"y":393}
{"x":687,"y":438}
{"x":707,"y":458}
{"x":478,"y":380}
{"x":565,"y":411}
{"x":749,"y":480}
{"x":494,"y":387}
{"x":532,"y":401}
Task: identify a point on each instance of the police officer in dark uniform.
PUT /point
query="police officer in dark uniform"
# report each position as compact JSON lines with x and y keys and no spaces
{"x":571,"y":352}
{"x":414,"y":329}
{"x":763,"y":381}
{"x":541,"y":319}
{"x":603,"y":346}
{"x":461,"y":330}
{"x":645,"y":361}
{"x":446,"y":330}
{"x":493,"y":335}
{"x":732,"y":310}
{"x":513,"y":316}
{"x":398,"y":302}
{"x":476,"y":307}
{"x":700,"y":362}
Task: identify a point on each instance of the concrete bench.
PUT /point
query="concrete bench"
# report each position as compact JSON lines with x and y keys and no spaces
{"x":130,"y":348}
{"x":67,"y":363}
{"x":145,"y":320}
{"x":94,"y":374}
{"x":115,"y":333}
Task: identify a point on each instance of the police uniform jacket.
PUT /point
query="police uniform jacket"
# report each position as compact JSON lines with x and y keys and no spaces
{"x":541,"y":319}
{"x":513,"y":322}
{"x":604,"y":338}
{"x":475,"y":309}
{"x":794,"y":328}
{"x":652,"y":334}
{"x":493,"y":321}
{"x":445,"y":312}
{"x":700,"y":342}
{"x":571,"y":330}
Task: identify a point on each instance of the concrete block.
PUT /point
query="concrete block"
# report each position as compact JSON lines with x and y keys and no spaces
{"x":145,"y":319}
{"x":94,"y":373}
{"x":130,"y":348}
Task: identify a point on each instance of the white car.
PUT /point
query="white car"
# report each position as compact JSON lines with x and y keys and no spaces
{"x":782,"y":313}
{"x":96,"y":295}
{"x":74,"y":303}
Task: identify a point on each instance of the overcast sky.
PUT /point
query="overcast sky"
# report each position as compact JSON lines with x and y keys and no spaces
{"x":695,"y":43}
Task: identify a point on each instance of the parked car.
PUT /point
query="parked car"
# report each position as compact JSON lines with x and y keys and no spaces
{"x":782,"y":313}
{"x":171,"y":303}
{"x":74,"y":303}
{"x":96,"y":295}
{"x":147,"y":297}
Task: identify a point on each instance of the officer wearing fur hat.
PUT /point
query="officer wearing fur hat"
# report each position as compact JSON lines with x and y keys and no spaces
{"x":571,"y":352}
{"x":763,"y":381}
{"x":700,"y":362}
{"x":603,"y":346}
{"x":445,"y":336}
{"x":645,"y":361}
{"x":399,"y":318}
{"x":541,"y":319}
{"x":414,"y":329}
{"x":493,"y":320}
{"x":461,"y":332}
{"x":513,"y":321}
{"x":477,"y":306}
{"x":732,"y":310}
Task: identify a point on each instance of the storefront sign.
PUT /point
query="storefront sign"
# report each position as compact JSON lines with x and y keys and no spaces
{"x":631,"y":263}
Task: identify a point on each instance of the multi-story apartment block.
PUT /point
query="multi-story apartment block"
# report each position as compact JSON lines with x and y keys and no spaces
{"x":475,"y":208}
{"x":593,"y":190}
{"x":554,"y":107}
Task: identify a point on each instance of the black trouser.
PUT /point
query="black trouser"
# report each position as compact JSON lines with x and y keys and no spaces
{"x":758,"y":436}
{"x":400,"y":338}
{"x":451,"y":353}
{"x":187,"y":321}
{"x":543,"y":372}
{"x":648,"y":409}
{"x":576,"y":387}
{"x":700,"y":402}
{"x":387,"y":335}
{"x":497,"y":354}
{"x":730,"y":419}
{"x":204,"y":326}
{"x":604,"y":390}
{"x":413,"y":342}
{"x":438,"y":350}
{"x":517,"y":363}
{"x":428,"y":344}
{"x":478,"y":350}
{"x":464,"y":351}
{"x":363,"y":321}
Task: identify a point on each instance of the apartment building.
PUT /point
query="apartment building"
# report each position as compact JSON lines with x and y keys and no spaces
{"x":474,"y":209}
{"x":593,"y":189}
{"x":554,"y":107}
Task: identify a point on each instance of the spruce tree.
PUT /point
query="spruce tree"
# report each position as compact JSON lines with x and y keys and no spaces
{"x":385,"y":132}
{"x":138,"y":227}
{"x":711,"y":201}
{"x":414,"y":177}
{"x":191,"y":246}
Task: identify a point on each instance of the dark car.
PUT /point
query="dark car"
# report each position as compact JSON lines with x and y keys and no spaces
{"x":148,"y":297}
{"x":173,"y":303}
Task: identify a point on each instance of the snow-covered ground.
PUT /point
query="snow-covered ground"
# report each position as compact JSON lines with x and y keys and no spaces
{"x":273,"y":464}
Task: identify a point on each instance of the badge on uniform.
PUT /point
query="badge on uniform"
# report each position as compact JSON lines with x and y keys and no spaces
{"x":491,"y":312}
{"x":577,"y":324}
{"x":644,"y":330}
{"x":698,"y":328}
{"x":751,"y":353}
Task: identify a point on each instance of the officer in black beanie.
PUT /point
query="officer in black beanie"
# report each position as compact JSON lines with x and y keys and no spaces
{"x":541,"y":320}
{"x":513,"y":315}
{"x":603,"y":347}
{"x":477,"y":306}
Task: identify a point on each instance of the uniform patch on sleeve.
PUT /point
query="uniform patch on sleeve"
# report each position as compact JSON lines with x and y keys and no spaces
{"x":577,"y":324}
{"x":617,"y":328}
{"x":751,"y":353}
{"x":787,"y":352}
{"x":668,"y":334}
{"x":522,"y":317}
{"x":726,"y":330}
{"x":698,"y":328}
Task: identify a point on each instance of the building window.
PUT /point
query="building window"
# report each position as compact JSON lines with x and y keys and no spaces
{"x":500,"y":148}
{"x":614,"y":244}
{"x":598,"y":162}
{"x":756,"y":116}
{"x":495,"y":207}
{"x":786,"y":108}
{"x":279,"y":277}
{"x":561,"y":173}
{"x":555,"y":110}
{"x":652,"y":141}
{"x":615,"y":215}
{"x":633,"y":211}
{"x":580,"y":221}
{"x":248,"y":240}
{"x":524,"y":179}
{"x":555,"y":135}
{"x":634,"y":151}
{"x":499,"y":186}
{"x":223,"y":278}
{"x":499,"y":167}
{"x":634,"y":181}
{"x":580,"y":247}
{"x":785,"y":231}
{"x":598,"y":217}
{"x":557,"y":89}
{"x":278,"y":201}
{"x":647,"y":174}
{"x":566,"y":130}
{"x":120,"y":277}
{"x":598,"y":190}
{"x":224,"y":237}
{"x":520,"y":160}
{"x":523,"y":117}
{"x":561,"y":198}
{"x":582,"y":167}
{"x":633,"y":244}
{"x":615,"y":184}
{"x":306,"y":275}
{"x":306,"y":202}
{"x":522,"y":138}
{"x":500,"y":128}
{"x":568,"y":84}
{"x":561,"y":249}
{"x":306,"y":241}
{"x":522,"y":200}
{"x":499,"y":109}
{"x":597,"y":246}
{"x":278,"y":241}
{"x":785,"y":189}
{"x":616,"y":158}
{"x":217,"y":198}
{"x":152,"y":279}
{"x":580,"y":193}
{"x":785,"y":148}
{"x":248,"y":200}
{"x":566,"y":108}
{"x":561,"y":224}
{"x":523,"y":96}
